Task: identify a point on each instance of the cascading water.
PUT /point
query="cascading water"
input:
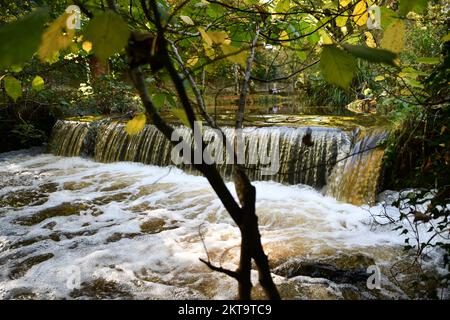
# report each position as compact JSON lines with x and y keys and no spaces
{"x":352,"y":180}
{"x":355,"y":179}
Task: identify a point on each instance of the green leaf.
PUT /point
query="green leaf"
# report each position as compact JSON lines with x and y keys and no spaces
{"x":412,"y":5}
{"x":379,"y":78}
{"x":180,"y":114}
{"x":387,"y":16}
{"x":234,"y":54}
{"x":282,"y":6}
{"x":394,"y":36}
{"x":38,"y":83}
{"x":159,"y":99}
{"x":136,"y":125}
{"x":372,"y":54}
{"x":13,"y":87}
{"x":446,"y":37}
{"x":337,"y":66}
{"x":428,"y":60}
{"x":20,"y":39}
{"x":108,"y":34}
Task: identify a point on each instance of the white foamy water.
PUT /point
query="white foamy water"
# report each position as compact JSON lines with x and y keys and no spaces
{"x":127,"y":230}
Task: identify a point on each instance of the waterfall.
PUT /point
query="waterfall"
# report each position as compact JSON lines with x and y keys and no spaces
{"x":298,"y":164}
{"x":355,"y":179}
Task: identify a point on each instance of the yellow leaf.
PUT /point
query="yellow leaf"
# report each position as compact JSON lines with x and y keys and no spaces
{"x":87,"y":46}
{"x":234,"y":54}
{"x":344,"y":3}
{"x":136,"y":124}
{"x":57,"y":37}
{"x":341,"y":21}
{"x":38,"y":83}
{"x":192,"y":61}
{"x":446,"y":37}
{"x":360,"y":14}
{"x":187,"y":20}
{"x":218,"y":37}
{"x":205,"y":36}
{"x":209,"y":51}
{"x":370,"y":41}
{"x":284,"y":36}
{"x":326,"y":39}
{"x":394,"y":37}
{"x":443,"y":128}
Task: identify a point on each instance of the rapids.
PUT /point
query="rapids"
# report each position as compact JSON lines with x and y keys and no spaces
{"x":71,"y":227}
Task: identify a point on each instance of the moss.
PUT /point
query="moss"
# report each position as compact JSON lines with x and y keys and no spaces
{"x":117,"y":236}
{"x":21,"y":269}
{"x":62,"y":210}
{"x":100,"y":289}
{"x":118,"y":197}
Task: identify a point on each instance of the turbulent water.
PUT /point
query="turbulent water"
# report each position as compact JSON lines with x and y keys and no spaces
{"x":75,"y":228}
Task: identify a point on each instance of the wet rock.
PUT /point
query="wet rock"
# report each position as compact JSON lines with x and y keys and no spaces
{"x":73,"y":186}
{"x":100,"y":289}
{"x":295,"y":267}
{"x":23,"y":198}
{"x":156,"y":225}
{"x":118,"y":197}
{"x":21,"y":268}
{"x":116,"y":186}
{"x":50,"y":225}
{"x":117,"y":236}
{"x":62,"y":210}
{"x":48,"y":187}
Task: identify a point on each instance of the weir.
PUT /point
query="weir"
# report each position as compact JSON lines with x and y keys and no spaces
{"x":342,"y":164}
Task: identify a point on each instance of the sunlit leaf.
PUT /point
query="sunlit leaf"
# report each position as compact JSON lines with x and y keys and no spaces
{"x":344,"y":3}
{"x":187,"y":20}
{"x":235,"y":55}
{"x":337,"y":66}
{"x":282,"y":6}
{"x":38,"y":83}
{"x":209,"y":51}
{"x":283,"y":37}
{"x":20,"y":39}
{"x":360,"y":14}
{"x":13,"y":87}
{"x":370,"y":41}
{"x":56,"y":37}
{"x":379,"y":78}
{"x":108,"y":34}
{"x":205,"y":36}
{"x":326,"y":39}
{"x":192,"y":61}
{"x":428,"y":60}
{"x":341,"y":21}
{"x":87,"y":46}
{"x":394,"y":37}
{"x":218,"y":37}
{"x":136,"y":125}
